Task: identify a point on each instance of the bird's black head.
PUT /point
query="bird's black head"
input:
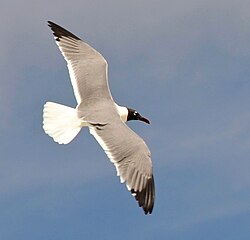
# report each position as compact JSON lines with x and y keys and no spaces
{"x":134,"y":115}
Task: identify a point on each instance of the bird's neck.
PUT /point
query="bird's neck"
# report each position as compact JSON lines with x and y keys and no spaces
{"x":123,"y":112}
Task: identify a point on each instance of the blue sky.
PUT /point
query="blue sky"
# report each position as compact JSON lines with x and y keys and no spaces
{"x":182,"y":64}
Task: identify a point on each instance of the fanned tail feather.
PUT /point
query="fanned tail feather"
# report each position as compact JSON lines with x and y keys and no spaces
{"x":60,"y":122}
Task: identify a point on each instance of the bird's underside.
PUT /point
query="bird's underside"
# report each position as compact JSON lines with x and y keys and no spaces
{"x":97,"y":110}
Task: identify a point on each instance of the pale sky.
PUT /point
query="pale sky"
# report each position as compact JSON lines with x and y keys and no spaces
{"x":184,"y":65}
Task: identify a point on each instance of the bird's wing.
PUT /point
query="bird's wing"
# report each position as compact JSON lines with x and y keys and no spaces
{"x":131,"y":157}
{"x":87,"y":67}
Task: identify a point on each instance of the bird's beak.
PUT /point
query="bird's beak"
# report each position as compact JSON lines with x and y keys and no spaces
{"x":143,"y":119}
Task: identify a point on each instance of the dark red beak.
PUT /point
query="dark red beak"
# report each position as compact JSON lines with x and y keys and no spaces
{"x":143,"y":119}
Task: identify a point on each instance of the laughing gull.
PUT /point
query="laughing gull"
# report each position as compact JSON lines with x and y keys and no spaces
{"x":105,"y":119}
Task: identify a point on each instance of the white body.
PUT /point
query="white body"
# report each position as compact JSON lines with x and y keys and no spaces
{"x":62,"y":123}
{"x":105,"y":119}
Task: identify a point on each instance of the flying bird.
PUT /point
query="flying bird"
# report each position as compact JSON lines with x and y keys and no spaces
{"x":105,"y":119}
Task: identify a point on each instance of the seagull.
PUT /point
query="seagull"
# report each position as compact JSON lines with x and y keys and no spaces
{"x":105,"y":119}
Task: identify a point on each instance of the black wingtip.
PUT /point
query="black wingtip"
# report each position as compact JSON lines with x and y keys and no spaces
{"x":146,"y":197}
{"x":60,"y":32}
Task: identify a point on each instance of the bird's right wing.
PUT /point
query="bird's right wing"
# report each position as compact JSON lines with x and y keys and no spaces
{"x":131,"y":157}
{"x":87,"y":67}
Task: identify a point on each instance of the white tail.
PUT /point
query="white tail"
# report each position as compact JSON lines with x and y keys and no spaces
{"x":60,"y":122}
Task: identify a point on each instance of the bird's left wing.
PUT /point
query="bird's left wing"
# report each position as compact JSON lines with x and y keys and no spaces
{"x":131,"y":157}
